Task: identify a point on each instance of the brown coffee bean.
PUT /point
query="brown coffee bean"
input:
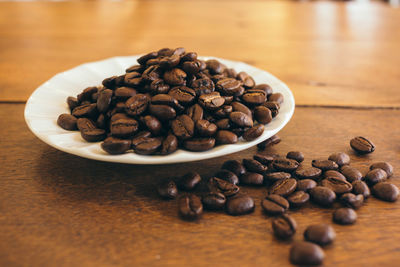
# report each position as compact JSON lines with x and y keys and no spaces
{"x":321,"y":234}
{"x":93,"y":135}
{"x":334,"y":174}
{"x":264,"y":159}
{"x":308,"y":172}
{"x":344,"y":216}
{"x":167,"y":189}
{"x":375,"y":176}
{"x":115,"y":146}
{"x":85,"y":124}
{"x":254,"y":97}
{"x":239,"y":205}
{"x":229,"y":86}
{"x":169,"y":145}
{"x":254,"y":166}
{"x":283,"y":187}
{"x":189,"y":181}
{"x":362,"y":145}
{"x":214,"y":201}
{"x":153,"y":124}
{"x":306,"y":253}
{"x":227,"y":176}
{"x":124,"y":93}
{"x":224,"y":111}
{"x":85,"y":111}
{"x":199,"y":144}
{"x":175,"y":76}
{"x":183,"y":127}
{"x":170,"y":61}
{"x":254,"y":132}
{"x":214,"y":66}
{"x":237,"y":106}
{"x":87,"y":93}
{"x":305,"y":185}
{"x":264,"y":87}
{"x":124,"y":128}
{"x":191,"y":67}
{"x":284,"y":226}
{"x":205,"y":128}
{"x":67,"y":122}
{"x":298,"y":199}
{"x":273,"y":140}
{"x":337,"y":185}
{"x":286,"y":165}
{"x":234,"y":166}
{"x":386,"y":166}
{"x":101,"y":121}
{"x":221,"y":186}
{"x":352,"y":201}
{"x":162,"y":112}
{"x":224,"y":124}
{"x":274,"y":204}
{"x":72,"y":102}
{"x":137,"y":104}
{"x":190,"y":207}
{"x":275,"y":176}
{"x":147,"y":145}
{"x":262,"y":114}
{"x":133,"y":79}
{"x":296,"y":155}
{"x":251,"y":178}
{"x":165,"y":52}
{"x":203,"y":86}
{"x":183,"y":94}
{"x":361,"y":188}
{"x":132,"y":68}
{"x":325,"y":165}
{"x":277,"y":97}
{"x":152,"y":73}
{"x":241,"y":119}
{"x":351,"y":174}
{"x":211,"y":101}
{"x":138,"y":138}
{"x":322,"y":195}
{"x":225,"y":137}
{"x":195,"y":112}
{"x":246,"y":79}
{"x":143,"y":59}
{"x":386,"y":191}
{"x":340,"y":158}
{"x":273,"y":106}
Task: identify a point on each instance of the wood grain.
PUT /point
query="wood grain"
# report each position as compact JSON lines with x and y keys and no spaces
{"x":61,"y":210}
{"x":328,"y":53}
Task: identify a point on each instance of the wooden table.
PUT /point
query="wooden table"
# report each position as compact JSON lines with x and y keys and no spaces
{"x":341,"y":61}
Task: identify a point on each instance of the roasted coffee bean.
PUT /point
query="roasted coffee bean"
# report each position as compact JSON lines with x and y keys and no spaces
{"x":137,"y":68}
{"x":264,"y":87}
{"x":85,"y":111}
{"x":183,"y":127}
{"x":283,"y":187}
{"x":334,"y":174}
{"x":214,"y":201}
{"x":251,"y":178}
{"x":86,"y":94}
{"x":273,"y":140}
{"x":254,"y":132}
{"x":203,"y":86}
{"x":351,"y":174}
{"x":275,"y":176}
{"x":322,"y":195}
{"x":239,"y":131}
{"x":190,"y":207}
{"x":214,"y":66}
{"x":253,"y":165}
{"x":119,"y":108}
{"x":254,"y":97}
{"x":228,"y":99}
{"x":305,"y":185}
{"x":165,"y":52}
{"x":118,"y":116}
{"x":274,"y":204}
{"x":191,"y":67}
{"x":362,"y":145}
{"x":158,"y":86}
{"x":152,"y":73}
{"x":227,"y":176}
{"x":153,"y":124}
{"x":241,"y":119}
{"x":195,"y":112}
{"x":137,"y":104}
{"x":286,"y":165}
{"x":115,"y":146}
{"x":298,"y":199}
{"x":229,"y":86}
{"x":138,"y":138}
{"x":224,"y":111}
{"x":167,"y":189}
{"x":162,"y":112}
{"x":237,"y":106}
{"x":296,"y":155}
{"x":240,"y":205}
{"x":321,"y":234}
{"x":234,"y":166}
{"x":325,"y":165}
{"x":308,"y":172}
{"x":361,"y":188}
{"x":189,"y":181}
{"x":124,"y":93}
{"x":205,"y":128}
{"x":225,"y":137}
{"x":183,"y":94}
{"x":352,"y":201}
{"x":148,"y":146}
{"x":262,"y":114}
{"x":264,"y":159}
{"x":169,"y":145}
{"x":170,"y":61}
{"x":340,"y":158}
{"x":93,"y":135}
{"x":111,"y":82}
{"x":246,"y":79}
{"x":224,"y":124}
{"x":211,"y":101}
{"x":284,"y":226}
{"x":337,"y":185}
{"x":375,"y":176}
{"x":277,"y":97}
{"x":72,"y":102}
{"x":386,"y":166}
{"x":306,"y":253}
{"x":386,"y":191}
{"x":124,"y":128}
{"x":199,"y":144}
{"x":101,"y":121}
{"x":143,"y":59}
{"x":273,"y":106}
{"x":85,"y":124}
{"x":67,"y":122}
{"x":218,"y":185}
{"x":133,"y":79}
{"x":344,"y":216}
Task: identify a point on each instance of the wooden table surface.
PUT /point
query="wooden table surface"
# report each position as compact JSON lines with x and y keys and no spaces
{"x":341,"y":61}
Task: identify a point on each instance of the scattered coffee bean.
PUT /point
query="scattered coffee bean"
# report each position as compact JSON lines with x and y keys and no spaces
{"x":286,"y":165}
{"x":386,"y":166}
{"x":274,"y":204}
{"x":93,"y":135}
{"x":321,"y":234}
{"x":375,"y":176}
{"x":275,"y":176}
{"x":284,"y":226}
{"x":240,"y":205}
{"x":361,"y":188}
{"x":234,"y":166}
{"x":190,"y":207}
{"x":352,"y":201}
{"x":226,"y":137}
{"x":114,"y":146}
{"x":276,"y":97}
{"x":265,"y":159}
{"x":351,"y":174}
{"x":308,"y":172}
{"x":189,"y":181}
{"x":325,"y":165}
{"x":227,"y":176}
{"x":322,"y":196}
{"x":214,"y":201}
{"x":337,"y":185}
{"x":67,"y":122}
{"x":254,"y":166}
{"x":305,"y":185}
{"x":273,"y":140}
{"x":221,"y":186}
{"x":344,"y":216}
{"x":306,"y":253}
{"x":362,"y":145}
{"x":298,"y":199}
{"x":296,"y":155}
{"x":340,"y":158}
{"x":253,"y":133}
{"x":334,"y":174}
{"x":252,"y":178}
{"x":386,"y":191}
{"x":283,"y":187}
{"x":167,"y":189}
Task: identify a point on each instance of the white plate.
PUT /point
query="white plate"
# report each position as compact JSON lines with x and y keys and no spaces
{"x":49,"y":100}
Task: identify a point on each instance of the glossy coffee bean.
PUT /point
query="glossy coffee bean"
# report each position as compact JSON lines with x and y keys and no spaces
{"x":143,"y":59}
{"x":284,"y":226}
{"x":214,"y":201}
{"x":104,"y":100}
{"x":189,"y":181}
{"x":276,"y":97}
{"x":240,"y":205}
{"x":167,"y":189}
{"x":183,"y":94}
{"x":286,"y":165}
{"x":72,"y":102}
{"x":138,"y":138}
{"x":87,"y":93}
{"x":386,"y":191}
{"x":137,"y":104}
{"x":262,"y":114}
{"x":298,"y":199}
{"x":124,"y":127}
{"x":274,"y":204}
{"x":203,"y":86}
{"x":152,"y":124}
{"x":308,"y":172}
{"x":344,"y":216}
{"x":162,"y":112}
{"x":158,"y":86}
{"x":264,"y":87}
{"x":305,"y":185}
{"x":85,"y":124}
{"x":241,"y":119}
{"x":306,"y":253}
{"x":362,"y":145}
{"x":246,"y":79}
{"x":273,"y":106}
{"x":234,"y":166}
{"x":283,"y":187}
{"x":147,"y":146}
{"x":296,"y":155}
{"x":254,"y":166}
{"x":183,"y":127}
{"x":190,"y":207}
{"x":133,"y":79}
{"x":272,"y":177}
{"x":211,"y":101}
{"x":340,"y":158}
{"x":124,"y":93}
{"x":85,"y":111}
{"x":254,"y":132}
{"x":325,"y":165}
{"x":386,"y":166}
{"x":221,"y":186}
{"x":321,"y":234}
{"x":337,"y":185}
{"x":227,"y":176}
{"x":214,"y":66}
{"x":224,"y":111}
{"x":199,"y":144}
{"x":93,"y":135}
{"x":229,"y":86}
{"x":115,"y":146}
{"x":225,"y":137}
{"x":195,"y":112}
{"x":334,"y":174}
{"x":237,"y":106}
{"x":273,"y":140}
{"x":264,"y":158}
{"x":67,"y":122}
{"x":252,"y":178}
{"x":169,"y":145}
{"x":375,"y":176}
{"x":175,"y":76}
{"x":205,"y":128}
{"x":351,"y":173}
{"x":352,"y":201}
{"x":361,"y":188}
{"x":254,"y":97}
{"x":322,"y":196}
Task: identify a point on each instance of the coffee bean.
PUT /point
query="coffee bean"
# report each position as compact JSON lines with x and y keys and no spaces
{"x":143,"y":59}
{"x":375,"y":176}
{"x":229,"y":86}
{"x":124,"y":127}
{"x":203,"y":86}
{"x":137,"y":104}
{"x":251,"y":178}
{"x":158,"y":86}
{"x":262,"y":114}
{"x":246,"y":79}
{"x":272,"y":177}
{"x":118,"y":116}
{"x":214,"y":66}
{"x":284,"y":226}
{"x":87,"y":93}
{"x":85,"y":124}
{"x":322,"y":195}
{"x":362,"y":145}
{"x":167,"y":189}
{"x":273,"y":106}
{"x":227,"y":176}
{"x":175,"y":76}
{"x":199,"y":144}
{"x":152,"y":73}
{"x":308,"y":172}
{"x":283,"y":187}
{"x":296,"y":155}
{"x":241,"y":119}
{"x":224,"y":124}
{"x":325,"y":165}
{"x":102,"y":121}
{"x":170,"y":61}
{"x":337,"y":185}
{"x":274,"y":204}
{"x":340,"y":158}
{"x":206,"y":128}
{"x":211,"y":101}
{"x":183,"y":127}
{"x":237,"y":106}
{"x":286,"y":165}
{"x":218,"y":185}
{"x":148,"y":146}
{"x":72,"y":102}
{"x":240,"y":205}
{"x":115,"y":146}
{"x":189,"y":181}
{"x":169,"y":145}
{"x":361,"y":188}
{"x":190,"y":207}
{"x":138,"y":138}
{"x":334,"y":174}
{"x":152,"y":124}
{"x":321,"y":234}
{"x":273,"y":140}
{"x":386,"y":166}
{"x":344,"y":216}
{"x":85,"y":111}
{"x":305,"y":185}
{"x":162,"y":112}
{"x":226,"y":137}
{"x":133,"y":79}
{"x":124,"y":93}
{"x":93,"y":135}
{"x":254,"y":132}
{"x":298,"y":199}
{"x":254,"y":97}
{"x":67,"y":122}
{"x":264,"y":159}
{"x":183,"y":94}
{"x":352,"y":201}
{"x":254,"y":166}
{"x":191,"y":67}
{"x":195,"y":112}
{"x":351,"y":174}
{"x":224,"y":111}
{"x":306,"y":253}
{"x":386,"y":191}
{"x":234,"y":166}
{"x":214,"y":201}
{"x":277,"y":97}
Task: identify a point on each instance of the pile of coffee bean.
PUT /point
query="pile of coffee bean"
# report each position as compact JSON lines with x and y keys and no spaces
{"x":172,"y":100}
{"x":290,"y":185}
